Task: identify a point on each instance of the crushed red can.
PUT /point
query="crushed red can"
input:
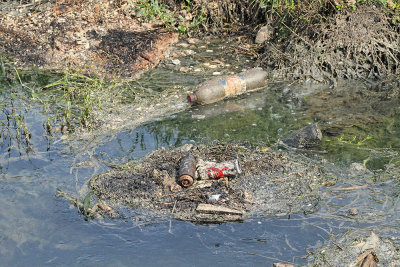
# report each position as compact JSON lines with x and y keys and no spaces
{"x":214,"y":170}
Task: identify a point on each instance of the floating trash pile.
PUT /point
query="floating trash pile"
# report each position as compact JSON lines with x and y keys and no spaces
{"x":255,"y":181}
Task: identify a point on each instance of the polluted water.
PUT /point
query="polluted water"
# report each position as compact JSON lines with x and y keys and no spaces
{"x":360,"y":164}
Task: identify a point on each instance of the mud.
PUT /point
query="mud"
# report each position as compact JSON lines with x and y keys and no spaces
{"x":272,"y":183}
{"x":352,"y":247}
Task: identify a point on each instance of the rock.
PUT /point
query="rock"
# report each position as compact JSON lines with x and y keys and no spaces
{"x":198,"y":117}
{"x":353,"y":212}
{"x":184,"y":45}
{"x":264,"y":34}
{"x":189,"y":52}
{"x":176,"y":61}
{"x":175,"y":188}
{"x":193,"y":40}
{"x":358,"y":169}
{"x":306,"y":137}
{"x":184,"y":69}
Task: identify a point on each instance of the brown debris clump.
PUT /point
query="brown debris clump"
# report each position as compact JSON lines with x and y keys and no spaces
{"x":271,"y":183}
{"x":97,"y":36}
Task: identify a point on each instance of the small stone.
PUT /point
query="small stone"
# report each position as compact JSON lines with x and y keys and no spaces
{"x":175,"y":188}
{"x":353,"y":212}
{"x":184,"y":69}
{"x":198,"y":117}
{"x":186,"y":148}
{"x":264,"y":34}
{"x":189,"y":52}
{"x":184,"y":45}
{"x":193,"y":40}
{"x":176,"y":61}
{"x":216,"y":73}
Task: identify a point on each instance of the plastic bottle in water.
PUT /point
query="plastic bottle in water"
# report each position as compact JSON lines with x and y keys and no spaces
{"x":220,"y":88}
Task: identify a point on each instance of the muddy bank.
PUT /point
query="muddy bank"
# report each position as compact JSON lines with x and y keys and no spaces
{"x":328,"y":41}
{"x":324,"y":42}
{"x":272,"y":183}
{"x":100,"y":37}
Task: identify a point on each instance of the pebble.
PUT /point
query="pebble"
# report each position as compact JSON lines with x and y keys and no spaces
{"x":189,"y":52}
{"x":198,"y":117}
{"x":193,"y":40}
{"x":176,"y":61}
{"x":353,"y":211}
{"x":175,"y":188}
{"x":184,"y":69}
{"x":184,"y":45}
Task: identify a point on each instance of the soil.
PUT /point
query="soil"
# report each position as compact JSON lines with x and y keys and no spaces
{"x":272,"y":183}
{"x":317,"y":42}
{"x":101,"y":37}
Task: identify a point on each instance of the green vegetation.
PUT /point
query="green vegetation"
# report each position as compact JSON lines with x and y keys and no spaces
{"x":181,"y":21}
{"x":13,"y":125}
{"x":289,"y":16}
{"x":80,"y":94}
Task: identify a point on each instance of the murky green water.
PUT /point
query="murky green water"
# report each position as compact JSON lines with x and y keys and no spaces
{"x":38,"y":227}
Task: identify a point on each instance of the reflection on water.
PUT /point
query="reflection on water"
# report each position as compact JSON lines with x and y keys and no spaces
{"x":38,"y":227}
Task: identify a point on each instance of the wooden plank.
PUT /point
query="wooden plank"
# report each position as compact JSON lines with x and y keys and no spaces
{"x":208,"y":208}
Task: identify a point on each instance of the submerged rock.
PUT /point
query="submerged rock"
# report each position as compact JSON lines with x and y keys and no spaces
{"x":306,"y":137}
{"x":271,"y":183}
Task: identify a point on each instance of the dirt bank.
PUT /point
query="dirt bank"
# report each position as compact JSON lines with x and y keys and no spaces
{"x":100,"y":37}
{"x":324,"y":42}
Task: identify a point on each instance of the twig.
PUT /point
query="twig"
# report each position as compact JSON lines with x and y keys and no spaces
{"x":350,"y":187}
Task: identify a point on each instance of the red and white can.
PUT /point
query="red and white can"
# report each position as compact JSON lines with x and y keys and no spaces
{"x":214,"y":170}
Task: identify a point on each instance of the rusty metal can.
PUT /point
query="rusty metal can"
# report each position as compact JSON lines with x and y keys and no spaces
{"x":213,"y":170}
{"x":187,"y":170}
